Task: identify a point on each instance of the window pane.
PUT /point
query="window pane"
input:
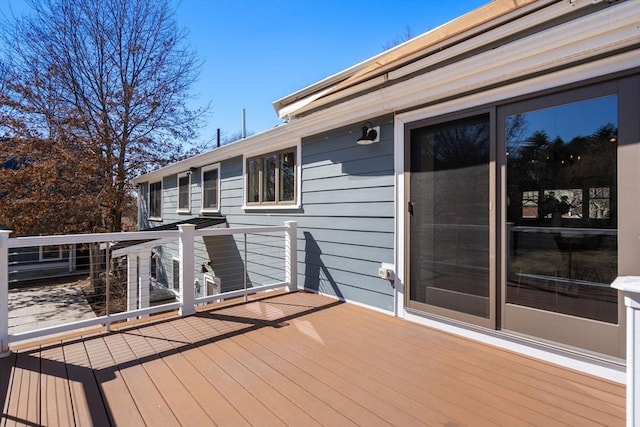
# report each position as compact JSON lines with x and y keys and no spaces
{"x":253,"y":181}
{"x":51,"y":252}
{"x":155,"y":200}
{"x":287,"y":176}
{"x":449,"y":188}
{"x":269,"y":178}
{"x":183,"y":192}
{"x":210,"y":189}
{"x":561,"y":219}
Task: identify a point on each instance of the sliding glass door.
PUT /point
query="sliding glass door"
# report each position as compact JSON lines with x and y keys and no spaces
{"x":560,"y":236}
{"x":513,"y":215}
{"x":449,"y":219}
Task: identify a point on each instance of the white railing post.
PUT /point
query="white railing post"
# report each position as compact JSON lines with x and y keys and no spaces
{"x":186,"y":255}
{"x":132,"y":282}
{"x":4,"y":293}
{"x":630,"y":287}
{"x":144,"y":277}
{"x":291,"y":255}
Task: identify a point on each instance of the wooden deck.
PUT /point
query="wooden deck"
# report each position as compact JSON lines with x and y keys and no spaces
{"x":293,"y":359}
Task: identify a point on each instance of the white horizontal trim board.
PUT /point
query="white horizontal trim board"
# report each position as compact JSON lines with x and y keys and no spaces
{"x":241,"y":292}
{"x":558,"y":357}
{"x":66,"y":239}
{"x":237,"y":230}
{"x":95,"y":321}
{"x":520,"y":25}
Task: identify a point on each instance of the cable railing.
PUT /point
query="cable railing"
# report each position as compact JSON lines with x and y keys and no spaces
{"x":56,"y":284}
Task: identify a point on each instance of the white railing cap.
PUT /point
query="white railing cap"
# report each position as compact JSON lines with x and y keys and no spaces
{"x":629,"y":284}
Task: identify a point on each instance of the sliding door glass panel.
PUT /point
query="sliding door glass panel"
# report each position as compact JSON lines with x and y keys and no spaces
{"x":449,"y":193}
{"x":561,"y":189}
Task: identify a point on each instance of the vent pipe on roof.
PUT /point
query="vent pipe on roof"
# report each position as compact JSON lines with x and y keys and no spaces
{"x":244,"y":124}
{"x":218,"y":137}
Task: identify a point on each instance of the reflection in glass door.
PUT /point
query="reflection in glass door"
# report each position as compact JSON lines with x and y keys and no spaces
{"x":449,"y":219}
{"x":561,"y":217}
{"x":561,"y":243}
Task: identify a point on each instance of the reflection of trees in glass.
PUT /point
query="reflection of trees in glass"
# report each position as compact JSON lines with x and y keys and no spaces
{"x":454,"y":147}
{"x":269,"y":179}
{"x":287,"y":176}
{"x":536,"y":162}
{"x":449,"y":164}
{"x":183,"y":192}
{"x":253,"y":192}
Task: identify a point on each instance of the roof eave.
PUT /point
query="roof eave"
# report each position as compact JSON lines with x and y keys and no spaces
{"x":287,"y":107}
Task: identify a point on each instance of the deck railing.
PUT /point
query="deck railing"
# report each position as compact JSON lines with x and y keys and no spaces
{"x":135,"y":274}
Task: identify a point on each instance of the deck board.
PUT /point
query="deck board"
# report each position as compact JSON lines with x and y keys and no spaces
{"x":501,"y":373}
{"x":293,"y":359}
{"x":56,"y":407}
{"x":484,"y":383}
{"x":149,"y":401}
{"x":86,"y":398}
{"x":114,"y":388}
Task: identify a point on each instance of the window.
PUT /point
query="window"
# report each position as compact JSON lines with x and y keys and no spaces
{"x":155,"y":200}
{"x":154,"y":266}
{"x":210,"y":186}
{"x":272,"y":178}
{"x":52,"y":252}
{"x":184,"y":192}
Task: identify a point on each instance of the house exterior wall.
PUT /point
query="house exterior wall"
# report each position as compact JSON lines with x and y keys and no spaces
{"x":353,"y":210}
{"x":345,"y":223}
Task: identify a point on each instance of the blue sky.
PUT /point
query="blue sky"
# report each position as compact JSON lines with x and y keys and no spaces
{"x":257,"y":51}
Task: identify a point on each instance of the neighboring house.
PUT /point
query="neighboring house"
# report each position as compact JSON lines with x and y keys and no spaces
{"x":43,"y":262}
{"x":500,"y":194}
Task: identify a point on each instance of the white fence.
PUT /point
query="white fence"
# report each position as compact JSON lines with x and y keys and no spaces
{"x":123,"y":272}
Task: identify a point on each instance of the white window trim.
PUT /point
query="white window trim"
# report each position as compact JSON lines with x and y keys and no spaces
{"x":217,"y":284}
{"x":202,"y":171}
{"x":186,"y":210}
{"x":155,"y":218}
{"x":297,"y":144}
{"x":58,"y":258}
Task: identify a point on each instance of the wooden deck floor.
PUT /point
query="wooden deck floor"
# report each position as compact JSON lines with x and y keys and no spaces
{"x":294,"y":359}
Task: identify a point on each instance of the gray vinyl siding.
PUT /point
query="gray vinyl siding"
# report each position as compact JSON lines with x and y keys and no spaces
{"x":346,"y":221}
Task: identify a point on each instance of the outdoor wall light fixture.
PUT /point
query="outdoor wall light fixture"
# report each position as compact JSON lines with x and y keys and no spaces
{"x":369,"y":135}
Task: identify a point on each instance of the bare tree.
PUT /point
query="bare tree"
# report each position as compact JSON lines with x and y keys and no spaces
{"x":109,"y":79}
{"x":399,"y":39}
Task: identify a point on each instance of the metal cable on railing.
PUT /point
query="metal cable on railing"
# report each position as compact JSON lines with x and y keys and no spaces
{"x":62,"y":283}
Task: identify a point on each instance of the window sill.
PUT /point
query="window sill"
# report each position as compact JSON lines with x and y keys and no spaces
{"x":154,"y":218}
{"x":184,"y":211}
{"x":209,"y":211}
{"x":292,"y":207}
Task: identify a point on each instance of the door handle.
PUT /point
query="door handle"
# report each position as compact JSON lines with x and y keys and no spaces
{"x":410,"y":207}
